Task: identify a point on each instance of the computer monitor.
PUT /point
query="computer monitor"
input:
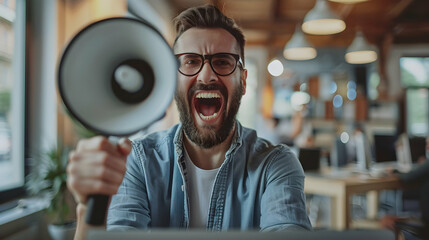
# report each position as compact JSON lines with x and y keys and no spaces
{"x":384,"y":147}
{"x":417,"y":148}
{"x":341,"y":154}
{"x":309,"y":158}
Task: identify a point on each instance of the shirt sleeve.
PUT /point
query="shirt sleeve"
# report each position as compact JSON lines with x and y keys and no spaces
{"x":283,"y":202}
{"x":129,"y":208}
{"x":420,"y":173}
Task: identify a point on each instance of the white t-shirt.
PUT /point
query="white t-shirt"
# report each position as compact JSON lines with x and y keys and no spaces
{"x":200,"y":184}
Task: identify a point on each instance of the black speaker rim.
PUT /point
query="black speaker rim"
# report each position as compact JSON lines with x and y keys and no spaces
{"x":60,"y":86}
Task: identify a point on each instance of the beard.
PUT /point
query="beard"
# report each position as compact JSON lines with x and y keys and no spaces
{"x":210,"y":137}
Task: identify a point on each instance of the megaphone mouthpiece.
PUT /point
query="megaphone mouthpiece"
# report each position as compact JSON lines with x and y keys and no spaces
{"x":128,"y":78}
{"x":133,"y":81}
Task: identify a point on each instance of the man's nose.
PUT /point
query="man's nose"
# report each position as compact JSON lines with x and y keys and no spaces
{"x":207,"y":75}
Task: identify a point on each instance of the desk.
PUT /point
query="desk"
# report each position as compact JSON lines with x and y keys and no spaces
{"x":340,"y":185}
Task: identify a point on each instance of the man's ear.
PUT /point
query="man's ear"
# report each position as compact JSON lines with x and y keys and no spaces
{"x":243,"y":79}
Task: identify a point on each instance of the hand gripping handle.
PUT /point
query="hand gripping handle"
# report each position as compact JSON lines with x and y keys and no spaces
{"x":97,"y":203}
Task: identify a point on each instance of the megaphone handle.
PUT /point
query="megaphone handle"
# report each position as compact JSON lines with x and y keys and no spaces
{"x":97,"y":209}
{"x":97,"y":203}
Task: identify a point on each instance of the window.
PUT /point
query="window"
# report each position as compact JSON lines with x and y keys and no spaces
{"x":417,"y":112}
{"x":414,"y":71}
{"x":415,"y":78}
{"x":12,"y":99}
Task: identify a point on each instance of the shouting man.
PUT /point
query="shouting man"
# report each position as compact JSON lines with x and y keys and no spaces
{"x":207,"y":172}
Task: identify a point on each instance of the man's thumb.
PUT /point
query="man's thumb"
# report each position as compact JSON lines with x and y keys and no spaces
{"x":124,"y":146}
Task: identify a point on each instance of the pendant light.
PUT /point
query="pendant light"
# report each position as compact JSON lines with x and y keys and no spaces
{"x":360,"y":52}
{"x":322,"y":21}
{"x":298,"y":47}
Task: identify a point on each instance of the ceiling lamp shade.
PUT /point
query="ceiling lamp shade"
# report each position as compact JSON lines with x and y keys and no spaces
{"x":298,"y":47}
{"x":348,"y":1}
{"x":360,"y":52}
{"x":322,"y":21}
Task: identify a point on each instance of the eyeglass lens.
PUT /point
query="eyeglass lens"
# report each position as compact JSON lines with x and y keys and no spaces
{"x":222,"y":64}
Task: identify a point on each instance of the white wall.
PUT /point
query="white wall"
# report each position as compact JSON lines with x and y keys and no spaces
{"x":251,"y":101}
{"x":258,"y":55}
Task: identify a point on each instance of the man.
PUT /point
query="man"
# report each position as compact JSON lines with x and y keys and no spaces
{"x":418,"y":176}
{"x":207,"y":172}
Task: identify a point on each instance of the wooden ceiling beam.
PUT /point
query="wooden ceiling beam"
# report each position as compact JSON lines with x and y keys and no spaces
{"x":275,"y":12}
{"x":415,"y":28}
{"x":281,"y":26}
{"x":397,"y":9}
{"x":275,"y":16}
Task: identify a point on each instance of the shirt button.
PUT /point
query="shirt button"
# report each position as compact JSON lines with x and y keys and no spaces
{"x":183,"y":188}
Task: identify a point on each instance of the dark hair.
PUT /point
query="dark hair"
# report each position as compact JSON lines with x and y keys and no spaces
{"x":208,"y":16}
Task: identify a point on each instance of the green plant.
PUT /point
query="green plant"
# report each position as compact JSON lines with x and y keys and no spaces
{"x":48,"y":178}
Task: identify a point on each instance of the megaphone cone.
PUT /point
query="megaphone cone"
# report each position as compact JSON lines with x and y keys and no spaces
{"x":91,"y":60}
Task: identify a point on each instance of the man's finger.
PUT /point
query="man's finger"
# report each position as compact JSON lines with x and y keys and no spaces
{"x":87,"y":187}
{"x":89,"y":160}
{"x":98,"y":143}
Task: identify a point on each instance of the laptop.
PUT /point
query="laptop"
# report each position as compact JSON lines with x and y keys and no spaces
{"x":237,"y":235}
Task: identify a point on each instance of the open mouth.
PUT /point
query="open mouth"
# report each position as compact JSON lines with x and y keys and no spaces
{"x":208,"y":105}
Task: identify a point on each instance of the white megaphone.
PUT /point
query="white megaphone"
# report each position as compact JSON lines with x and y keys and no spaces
{"x":116,"y":77}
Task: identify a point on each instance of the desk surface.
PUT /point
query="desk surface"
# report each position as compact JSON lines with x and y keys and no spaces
{"x":349,"y":179}
{"x":341,"y":184}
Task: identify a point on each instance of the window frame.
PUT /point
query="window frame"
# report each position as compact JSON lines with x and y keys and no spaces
{"x":19,"y":97}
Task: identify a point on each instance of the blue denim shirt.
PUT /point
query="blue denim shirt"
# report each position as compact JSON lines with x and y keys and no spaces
{"x":258,"y":186}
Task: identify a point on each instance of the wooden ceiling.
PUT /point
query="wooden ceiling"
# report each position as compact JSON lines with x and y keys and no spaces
{"x":271,"y":23}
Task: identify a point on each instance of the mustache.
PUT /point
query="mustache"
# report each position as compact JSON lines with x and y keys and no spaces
{"x":208,"y":87}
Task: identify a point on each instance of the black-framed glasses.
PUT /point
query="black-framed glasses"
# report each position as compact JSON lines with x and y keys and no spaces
{"x":223,"y":64}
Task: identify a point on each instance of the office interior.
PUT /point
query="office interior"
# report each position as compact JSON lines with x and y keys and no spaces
{"x":353,"y":122}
